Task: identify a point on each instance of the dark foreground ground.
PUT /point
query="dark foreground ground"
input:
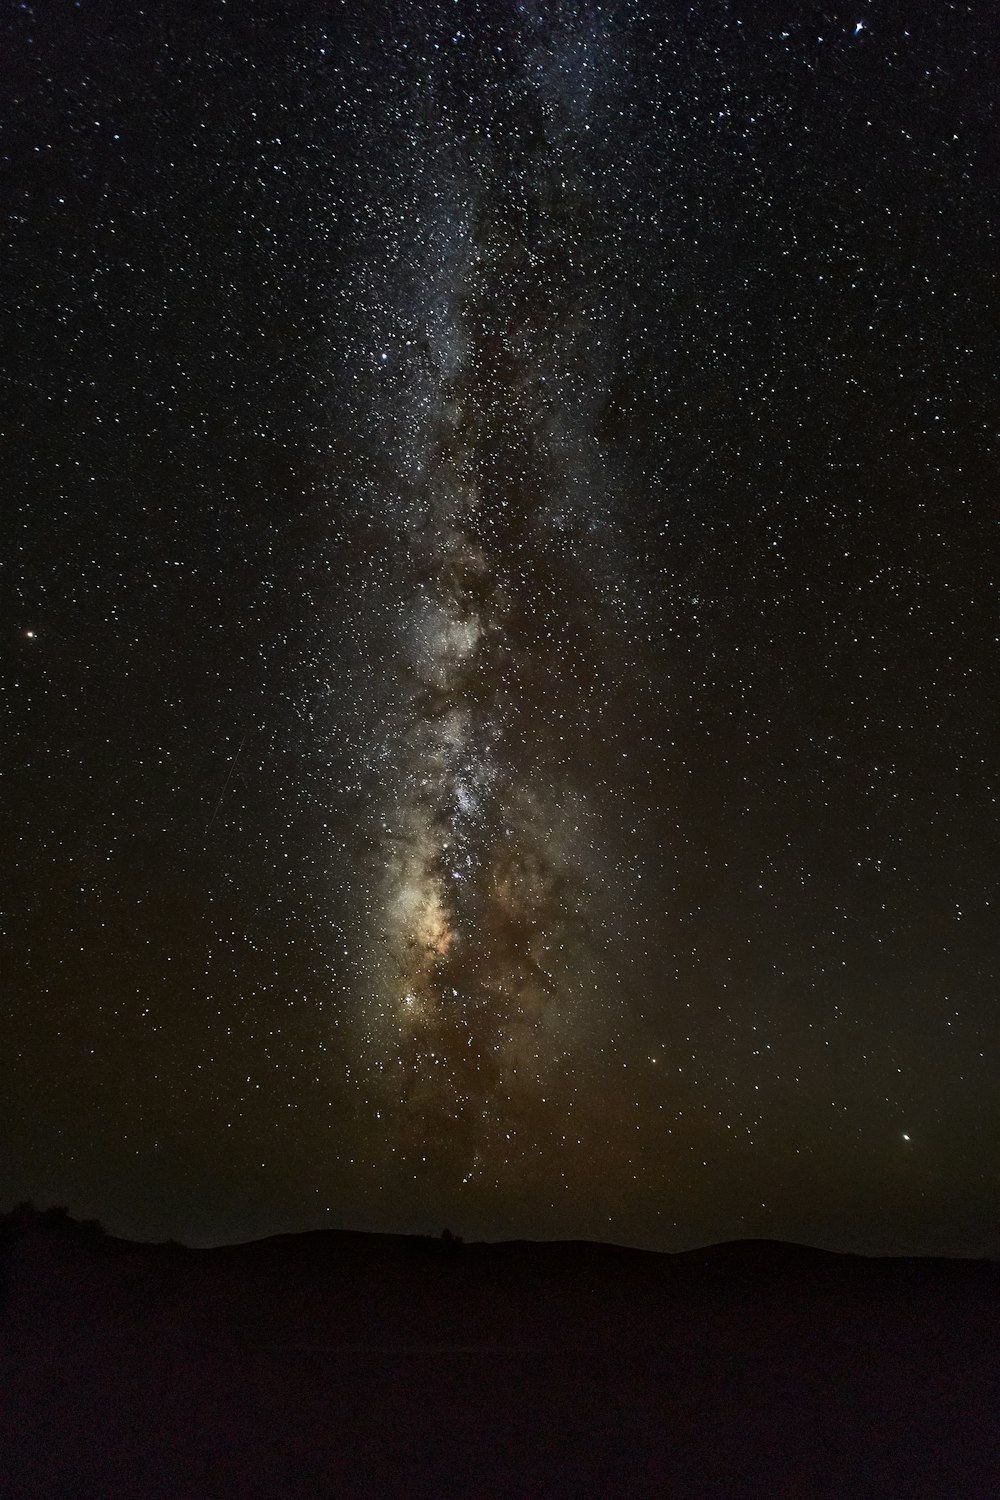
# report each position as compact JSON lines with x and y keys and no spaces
{"x":338,"y":1364}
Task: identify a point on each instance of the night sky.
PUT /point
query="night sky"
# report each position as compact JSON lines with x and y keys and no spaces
{"x":499,"y":619}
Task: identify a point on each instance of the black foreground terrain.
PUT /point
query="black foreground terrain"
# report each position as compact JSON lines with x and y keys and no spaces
{"x":336,"y":1364}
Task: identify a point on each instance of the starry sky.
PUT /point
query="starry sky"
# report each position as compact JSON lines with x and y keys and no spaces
{"x":499,"y":619}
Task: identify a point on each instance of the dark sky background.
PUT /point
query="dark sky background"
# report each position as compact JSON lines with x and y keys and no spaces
{"x":500,"y":620}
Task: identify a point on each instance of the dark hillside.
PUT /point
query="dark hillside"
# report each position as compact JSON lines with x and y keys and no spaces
{"x":346,"y":1364}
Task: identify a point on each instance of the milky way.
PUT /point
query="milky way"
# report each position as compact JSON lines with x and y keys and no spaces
{"x":490,"y":964}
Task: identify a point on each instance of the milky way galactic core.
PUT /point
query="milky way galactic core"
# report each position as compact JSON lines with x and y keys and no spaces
{"x":489,"y":951}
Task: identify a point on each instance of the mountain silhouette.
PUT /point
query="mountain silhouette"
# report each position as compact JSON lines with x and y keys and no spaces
{"x":336,"y":1363}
